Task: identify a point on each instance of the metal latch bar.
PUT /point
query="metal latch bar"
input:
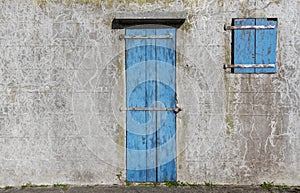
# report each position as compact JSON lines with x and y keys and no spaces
{"x":249,"y":27}
{"x":177,"y":109}
{"x":146,"y":37}
{"x":250,"y":66}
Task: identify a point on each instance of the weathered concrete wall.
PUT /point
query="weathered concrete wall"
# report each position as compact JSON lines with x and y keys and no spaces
{"x":62,"y":83}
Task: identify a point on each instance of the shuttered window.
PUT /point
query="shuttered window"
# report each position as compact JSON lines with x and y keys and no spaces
{"x":254,"y":45}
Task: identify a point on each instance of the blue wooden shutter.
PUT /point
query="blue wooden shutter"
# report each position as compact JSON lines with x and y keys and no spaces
{"x":254,"y":46}
{"x":244,"y":40}
{"x":265,"y":49}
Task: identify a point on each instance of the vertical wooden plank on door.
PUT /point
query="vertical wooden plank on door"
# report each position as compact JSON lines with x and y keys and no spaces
{"x":265,"y":49}
{"x":135,"y":97}
{"x":150,"y":98}
{"x":244,"y":45}
{"x":166,"y":97}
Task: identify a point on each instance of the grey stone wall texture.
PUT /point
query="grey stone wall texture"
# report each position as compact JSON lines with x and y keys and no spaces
{"x":62,"y":82}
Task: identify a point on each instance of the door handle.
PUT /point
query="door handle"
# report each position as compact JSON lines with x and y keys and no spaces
{"x":177,"y":110}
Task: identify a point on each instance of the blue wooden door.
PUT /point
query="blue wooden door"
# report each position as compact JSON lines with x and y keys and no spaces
{"x":150,"y":95}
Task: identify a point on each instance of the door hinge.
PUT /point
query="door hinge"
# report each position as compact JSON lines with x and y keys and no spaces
{"x":249,"y":27}
{"x":249,"y":66}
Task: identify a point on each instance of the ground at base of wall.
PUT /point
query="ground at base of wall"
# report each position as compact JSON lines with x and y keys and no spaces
{"x":156,"y":189}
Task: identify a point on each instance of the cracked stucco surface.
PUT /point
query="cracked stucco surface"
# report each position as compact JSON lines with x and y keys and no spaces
{"x":62,"y":83}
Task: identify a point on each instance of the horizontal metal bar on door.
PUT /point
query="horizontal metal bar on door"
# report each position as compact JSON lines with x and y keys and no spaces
{"x":147,"y":37}
{"x":149,"y":109}
{"x":250,"y":66}
{"x":249,"y":27}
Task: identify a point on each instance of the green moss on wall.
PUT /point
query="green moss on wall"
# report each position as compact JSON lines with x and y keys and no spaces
{"x":120,"y":136}
{"x":188,"y":23}
{"x":229,"y":122}
{"x":227,"y":51}
{"x":109,"y":4}
{"x":229,"y":116}
{"x":277,"y":2}
{"x":11,"y":92}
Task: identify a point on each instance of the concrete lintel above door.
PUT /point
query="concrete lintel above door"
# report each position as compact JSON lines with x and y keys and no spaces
{"x":124,"y":20}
